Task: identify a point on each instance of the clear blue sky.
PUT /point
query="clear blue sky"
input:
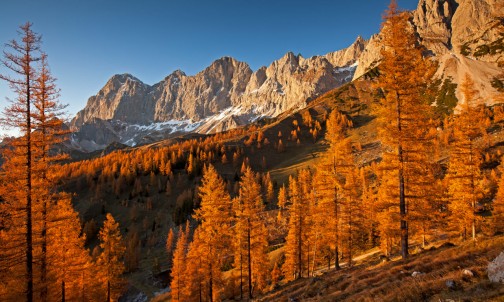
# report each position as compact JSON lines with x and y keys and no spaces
{"x":88,"y":41}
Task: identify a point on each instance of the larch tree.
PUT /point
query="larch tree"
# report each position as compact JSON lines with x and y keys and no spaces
{"x":250,"y":238}
{"x":178,"y":271}
{"x":48,"y":131}
{"x":68,"y":261}
{"x":332,"y":170}
{"x":498,"y":208}
{"x":352,"y":218}
{"x":170,"y":244}
{"x":464,"y":177}
{"x":20,"y":59}
{"x":403,"y":114}
{"x":215,"y":219}
{"x":111,"y":257}
{"x":296,"y":246}
{"x":195,"y":289}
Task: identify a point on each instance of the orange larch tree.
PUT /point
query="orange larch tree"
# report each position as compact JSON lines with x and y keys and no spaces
{"x":250,"y":238}
{"x":18,"y":187}
{"x":111,"y":257}
{"x":178,"y":271}
{"x":464,"y":177}
{"x":403,"y":114}
{"x":215,"y":219}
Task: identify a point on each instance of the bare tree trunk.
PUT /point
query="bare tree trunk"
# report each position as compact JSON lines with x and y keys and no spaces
{"x":249,"y":264}
{"x":62,"y":291}
{"x":29,"y":239}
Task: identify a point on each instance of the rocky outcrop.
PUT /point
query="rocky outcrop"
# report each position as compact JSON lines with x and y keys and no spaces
{"x":225,"y":95}
{"x":370,"y":56}
{"x":116,"y":100}
{"x":478,"y":30}
{"x":464,"y":36}
{"x":432,"y":20}
{"x":495,"y":269}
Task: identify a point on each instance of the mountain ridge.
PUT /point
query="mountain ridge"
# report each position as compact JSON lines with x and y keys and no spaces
{"x":462,"y":36}
{"x":227,"y":86}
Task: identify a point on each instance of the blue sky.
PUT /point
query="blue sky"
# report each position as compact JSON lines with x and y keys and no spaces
{"x":88,"y":41}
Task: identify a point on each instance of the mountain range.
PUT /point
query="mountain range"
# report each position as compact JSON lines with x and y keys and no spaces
{"x":463,"y":36}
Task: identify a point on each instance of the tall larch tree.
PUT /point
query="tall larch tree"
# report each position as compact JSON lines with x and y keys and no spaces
{"x":69,"y":266}
{"x":20,"y":59}
{"x":111,"y":257}
{"x":178,"y":271}
{"x":296,"y":246}
{"x":498,"y":207}
{"x":195,"y":289}
{"x":333,"y":169}
{"x":403,"y":112}
{"x":251,"y":236}
{"x":171,"y":241}
{"x":464,"y":177}
{"x":352,"y":218}
{"x":215,"y":219}
{"x":48,"y":131}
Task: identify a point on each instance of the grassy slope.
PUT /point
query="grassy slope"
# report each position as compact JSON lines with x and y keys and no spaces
{"x":374,"y":280}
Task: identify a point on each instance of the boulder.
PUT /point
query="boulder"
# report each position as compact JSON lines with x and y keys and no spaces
{"x":416,"y":274}
{"x":468,"y":273}
{"x":495,"y":269}
{"x":451,"y":284}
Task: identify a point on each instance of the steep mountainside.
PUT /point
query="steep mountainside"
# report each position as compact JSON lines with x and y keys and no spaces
{"x":223,"y":96}
{"x":464,"y":36}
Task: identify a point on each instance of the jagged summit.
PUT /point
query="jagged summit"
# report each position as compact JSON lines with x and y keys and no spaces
{"x":464,"y":36}
{"x":224,"y":95}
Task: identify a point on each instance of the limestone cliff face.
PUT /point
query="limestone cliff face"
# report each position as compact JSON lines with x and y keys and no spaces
{"x":115,"y":101}
{"x":225,"y":95}
{"x":478,"y":30}
{"x":464,"y":36}
{"x":196,"y":97}
{"x":290,"y":81}
{"x":433,"y":22}
{"x":178,"y":96}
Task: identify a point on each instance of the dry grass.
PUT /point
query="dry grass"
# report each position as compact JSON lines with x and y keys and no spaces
{"x":392,"y":281}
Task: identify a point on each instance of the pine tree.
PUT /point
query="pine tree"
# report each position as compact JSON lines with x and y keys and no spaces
{"x":111,"y":257}
{"x":403,"y":114}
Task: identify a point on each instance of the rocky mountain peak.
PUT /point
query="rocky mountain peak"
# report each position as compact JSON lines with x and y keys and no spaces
{"x":224,"y":95}
{"x":432,"y":19}
{"x":177,"y":74}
